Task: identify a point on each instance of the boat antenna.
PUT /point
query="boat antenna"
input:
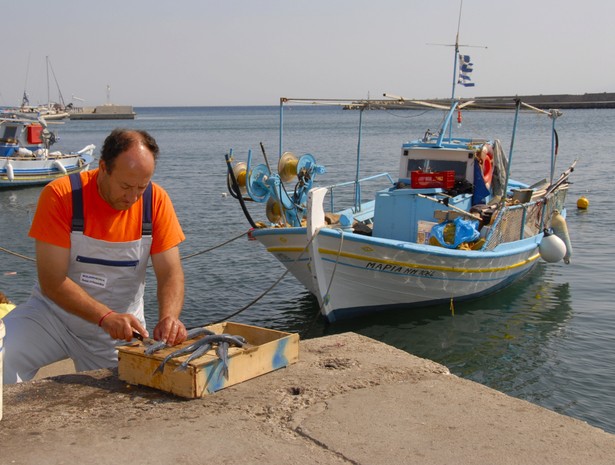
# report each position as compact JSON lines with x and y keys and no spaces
{"x":456,"y":51}
{"x":456,"y":45}
{"x":25,"y":101}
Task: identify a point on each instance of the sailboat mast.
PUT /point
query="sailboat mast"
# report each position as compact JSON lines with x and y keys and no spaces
{"x":48,"y":96}
{"x":55,"y":79}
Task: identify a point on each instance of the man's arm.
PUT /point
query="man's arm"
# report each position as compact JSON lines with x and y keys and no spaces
{"x":170,"y":292}
{"x":52,"y":264}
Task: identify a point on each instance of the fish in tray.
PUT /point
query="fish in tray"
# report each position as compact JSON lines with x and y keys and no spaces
{"x":194,"y":355}
{"x":222,"y":353}
{"x":192,"y":333}
{"x":210,"y":339}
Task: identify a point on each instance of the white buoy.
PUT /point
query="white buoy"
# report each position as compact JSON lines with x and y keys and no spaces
{"x":58,"y":164}
{"x":552,"y":249}
{"x":10,"y":173}
{"x":558,"y":224}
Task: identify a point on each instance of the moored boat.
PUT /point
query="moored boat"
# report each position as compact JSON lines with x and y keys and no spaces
{"x":452,"y":226}
{"x":26,"y":158}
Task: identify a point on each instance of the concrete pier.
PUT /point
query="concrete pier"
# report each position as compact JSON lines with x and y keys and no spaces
{"x":349,"y":400}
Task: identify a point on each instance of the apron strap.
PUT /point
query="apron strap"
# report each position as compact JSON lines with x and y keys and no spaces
{"x":146,"y":223}
{"x":77,"y":197}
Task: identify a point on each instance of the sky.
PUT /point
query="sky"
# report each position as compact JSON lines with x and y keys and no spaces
{"x":252,"y":52}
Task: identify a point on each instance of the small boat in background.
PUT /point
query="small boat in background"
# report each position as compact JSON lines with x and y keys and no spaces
{"x":51,"y":112}
{"x":26,"y":158}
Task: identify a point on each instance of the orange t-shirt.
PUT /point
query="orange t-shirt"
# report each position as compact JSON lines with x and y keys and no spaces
{"x":54,"y":213}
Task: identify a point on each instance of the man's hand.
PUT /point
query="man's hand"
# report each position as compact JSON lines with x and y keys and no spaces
{"x":122,"y":325}
{"x":170,"y":330}
{"x":170,"y":280}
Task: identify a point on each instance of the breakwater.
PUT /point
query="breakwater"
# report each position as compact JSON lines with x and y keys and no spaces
{"x":544,"y":102}
{"x":560,"y":101}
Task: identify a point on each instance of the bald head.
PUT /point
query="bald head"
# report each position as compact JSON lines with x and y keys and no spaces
{"x":120,"y":140}
{"x":126,"y":167}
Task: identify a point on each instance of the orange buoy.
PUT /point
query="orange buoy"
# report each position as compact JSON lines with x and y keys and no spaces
{"x":582,"y":203}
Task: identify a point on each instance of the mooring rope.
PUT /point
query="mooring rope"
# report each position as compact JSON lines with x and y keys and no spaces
{"x":248,"y":305}
{"x":185,"y":257}
{"x":245,"y":307}
{"x":10,"y":252}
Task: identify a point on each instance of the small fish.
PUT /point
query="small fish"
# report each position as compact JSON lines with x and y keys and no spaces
{"x":194,"y":355}
{"x":222,"y":352}
{"x":196,"y":332}
{"x":192,"y":333}
{"x":208,"y":339}
{"x":158,"y":345}
{"x":238,"y":341}
{"x":186,"y":350}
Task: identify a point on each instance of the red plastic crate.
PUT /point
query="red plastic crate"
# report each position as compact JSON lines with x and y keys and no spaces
{"x":422,"y":180}
{"x":34,"y":133}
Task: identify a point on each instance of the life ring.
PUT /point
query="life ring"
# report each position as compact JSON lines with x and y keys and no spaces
{"x":485,"y":158}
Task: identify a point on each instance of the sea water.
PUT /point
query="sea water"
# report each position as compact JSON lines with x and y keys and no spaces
{"x":549,"y":339}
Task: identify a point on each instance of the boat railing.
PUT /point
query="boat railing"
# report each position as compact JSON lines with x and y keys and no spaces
{"x":357,"y":207}
{"x":516,"y":222}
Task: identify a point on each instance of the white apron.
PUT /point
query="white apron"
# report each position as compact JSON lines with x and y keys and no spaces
{"x":39,"y":332}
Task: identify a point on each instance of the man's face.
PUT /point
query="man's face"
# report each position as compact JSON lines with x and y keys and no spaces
{"x":132,"y":172}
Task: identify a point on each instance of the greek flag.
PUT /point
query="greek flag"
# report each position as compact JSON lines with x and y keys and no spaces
{"x":465,"y":68}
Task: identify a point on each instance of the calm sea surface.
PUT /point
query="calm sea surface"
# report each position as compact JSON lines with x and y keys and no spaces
{"x":549,"y":339}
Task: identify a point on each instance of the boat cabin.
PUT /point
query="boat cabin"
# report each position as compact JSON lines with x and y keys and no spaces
{"x":436,"y":160}
{"x":9,"y":137}
{"x":433,"y":180}
{"x":16,"y":133}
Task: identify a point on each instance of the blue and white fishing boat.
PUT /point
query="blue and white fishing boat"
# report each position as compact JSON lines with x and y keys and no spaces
{"x":452,"y":226}
{"x":26,"y":158}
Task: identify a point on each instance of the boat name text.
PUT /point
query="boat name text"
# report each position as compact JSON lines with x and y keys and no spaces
{"x":399,"y":269}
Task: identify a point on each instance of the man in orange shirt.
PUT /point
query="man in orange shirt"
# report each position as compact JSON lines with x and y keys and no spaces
{"x":95,"y":233}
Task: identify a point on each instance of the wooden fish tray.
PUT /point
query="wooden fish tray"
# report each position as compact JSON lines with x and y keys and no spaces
{"x":266,"y":350}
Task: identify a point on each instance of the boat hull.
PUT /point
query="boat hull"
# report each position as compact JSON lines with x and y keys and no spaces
{"x":352,"y":274}
{"x":21,"y":172}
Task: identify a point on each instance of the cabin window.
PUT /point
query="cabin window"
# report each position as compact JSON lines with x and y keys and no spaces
{"x":10,"y":132}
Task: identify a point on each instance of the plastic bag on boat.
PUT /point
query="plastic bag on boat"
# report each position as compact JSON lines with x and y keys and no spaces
{"x":451,"y":234}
